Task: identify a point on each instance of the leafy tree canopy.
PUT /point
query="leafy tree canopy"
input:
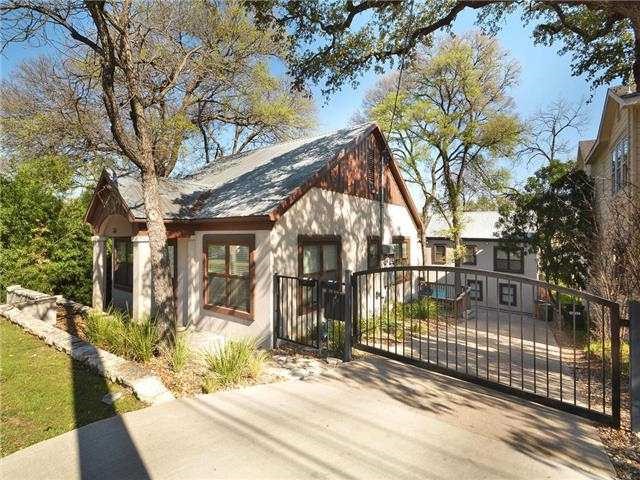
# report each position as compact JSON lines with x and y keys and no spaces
{"x":44,"y":242}
{"x":554,"y":216}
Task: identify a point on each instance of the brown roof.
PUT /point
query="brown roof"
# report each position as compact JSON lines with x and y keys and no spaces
{"x":584,"y":147}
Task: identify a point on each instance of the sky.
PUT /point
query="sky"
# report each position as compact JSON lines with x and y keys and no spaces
{"x":545,"y":76}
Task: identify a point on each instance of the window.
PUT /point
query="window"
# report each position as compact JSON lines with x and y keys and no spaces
{"x":619,"y":165}
{"x":510,"y":260}
{"x":373,"y":252}
{"x":507,"y":294}
{"x":439,"y":254}
{"x":476,"y":289}
{"x":123,"y":264}
{"x":401,"y":257}
{"x":469,"y":255}
{"x":319,"y":257}
{"x":228,"y":282}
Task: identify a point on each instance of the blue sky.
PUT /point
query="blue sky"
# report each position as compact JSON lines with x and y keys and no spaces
{"x":545,"y":76}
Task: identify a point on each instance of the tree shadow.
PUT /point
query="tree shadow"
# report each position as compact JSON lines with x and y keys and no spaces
{"x":100,"y":439}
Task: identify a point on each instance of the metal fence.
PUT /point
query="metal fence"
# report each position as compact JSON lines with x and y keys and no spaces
{"x":310,"y":313}
{"x":550,"y":344}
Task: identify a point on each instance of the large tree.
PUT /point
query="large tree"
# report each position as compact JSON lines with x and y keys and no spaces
{"x":144,"y":77}
{"x":453,"y":118}
{"x":337,"y":40}
{"x":553,"y":215}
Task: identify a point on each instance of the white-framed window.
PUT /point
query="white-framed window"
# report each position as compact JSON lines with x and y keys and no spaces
{"x":507,"y":294}
{"x":620,"y":164}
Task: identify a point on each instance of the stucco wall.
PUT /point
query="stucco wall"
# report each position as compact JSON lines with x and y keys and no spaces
{"x":324,"y":212}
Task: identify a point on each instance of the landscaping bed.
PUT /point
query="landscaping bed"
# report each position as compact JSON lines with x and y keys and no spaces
{"x":46,"y":393}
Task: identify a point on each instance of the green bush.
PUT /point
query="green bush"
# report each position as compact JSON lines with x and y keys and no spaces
{"x":421,"y":309}
{"x":595,"y":350}
{"x":178,"y":353}
{"x":118,"y":334}
{"x":234,"y":363}
{"x":335,"y":337}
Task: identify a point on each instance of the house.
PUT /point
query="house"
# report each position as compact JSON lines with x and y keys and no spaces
{"x":484,"y":251}
{"x":612,"y":159}
{"x":312,"y":207}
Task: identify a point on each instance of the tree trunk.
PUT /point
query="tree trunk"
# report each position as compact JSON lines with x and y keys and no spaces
{"x":162,"y":288}
{"x":425,"y":223}
{"x":456,"y":223}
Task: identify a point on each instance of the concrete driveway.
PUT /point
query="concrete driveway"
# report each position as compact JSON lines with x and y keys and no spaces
{"x":369,"y":419}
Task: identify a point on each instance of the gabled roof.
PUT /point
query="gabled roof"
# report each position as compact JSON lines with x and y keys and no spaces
{"x":258,"y":183}
{"x":584,"y":147}
{"x":476,"y":225}
{"x":245,"y":184}
{"x":622,"y":96}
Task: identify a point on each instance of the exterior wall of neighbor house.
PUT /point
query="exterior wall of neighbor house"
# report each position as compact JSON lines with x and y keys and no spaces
{"x":625,"y":121}
{"x":525,"y":293}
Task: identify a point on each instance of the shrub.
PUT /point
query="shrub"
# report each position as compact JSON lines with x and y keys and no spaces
{"x":179,"y":352}
{"x":115,"y":332}
{"x":141,"y":339}
{"x":421,"y":309}
{"x":235,"y":362}
{"x":335,"y":337}
{"x":595,"y":350}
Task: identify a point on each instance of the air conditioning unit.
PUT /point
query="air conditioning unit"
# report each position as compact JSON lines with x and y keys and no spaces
{"x":388,"y":250}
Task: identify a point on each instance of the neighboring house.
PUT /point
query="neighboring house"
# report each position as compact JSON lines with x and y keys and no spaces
{"x":613,"y":158}
{"x":307,"y":207}
{"x":484,"y":251}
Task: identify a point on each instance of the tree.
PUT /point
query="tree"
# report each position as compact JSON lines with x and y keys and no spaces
{"x":149,"y":70}
{"x":554,"y":217}
{"x":550,"y":130}
{"x":44,"y":243}
{"x":336,"y":41}
{"x":453,"y":120}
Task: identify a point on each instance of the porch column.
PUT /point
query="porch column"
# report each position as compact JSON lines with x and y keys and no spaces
{"x":193,"y":283}
{"x":141,"y":291}
{"x":99,"y":278}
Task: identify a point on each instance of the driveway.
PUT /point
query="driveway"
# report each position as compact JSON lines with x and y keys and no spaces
{"x":372,"y":418}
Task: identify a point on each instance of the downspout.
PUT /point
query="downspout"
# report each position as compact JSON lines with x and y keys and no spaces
{"x":381,"y":198}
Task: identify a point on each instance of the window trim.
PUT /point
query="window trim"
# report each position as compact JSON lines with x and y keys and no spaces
{"x":114,"y":262}
{"x":407,"y":242}
{"x":433,"y":253}
{"x":509,"y":251}
{"x":619,"y":168}
{"x":222,"y":239}
{"x":320,"y":240}
{"x":514,"y":288}
{"x":475,"y":254}
{"x":374,"y":239}
{"x":479,"y":282}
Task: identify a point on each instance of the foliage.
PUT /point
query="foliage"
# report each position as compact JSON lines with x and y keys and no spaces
{"x":393,"y":320}
{"x":179,"y":352}
{"x":453,"y":120}
{"x":232,"y":364}
{"x":44,"y":243}
{"x":46,"y":393}
{"x":596,"y":347}
{"x":115,"y":332}
{"x":553,"y":216}
{"x":337,"y":42}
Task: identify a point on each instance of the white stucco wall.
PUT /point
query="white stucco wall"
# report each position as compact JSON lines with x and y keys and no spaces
{"x":324,"y":212}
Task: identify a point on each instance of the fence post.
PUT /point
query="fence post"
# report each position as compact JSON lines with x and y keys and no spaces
{"x":348,"y":316}
{"x":319,"y":315}
{"x":615,"y":363}
{"x":276,"y":310}
{"x":634,"y":364}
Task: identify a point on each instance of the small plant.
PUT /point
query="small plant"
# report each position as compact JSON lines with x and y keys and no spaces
{"x":105,"y":330}
{"x":179,"y":352}
{"x":595,"y":349}
{"x":421,"y":309}
{"x":141,"y":339}
{"x":234,"y":363}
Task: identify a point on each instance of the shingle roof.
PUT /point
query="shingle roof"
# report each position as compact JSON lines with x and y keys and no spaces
{"x":475,"y":225}
{"x":244,"y":184}
{"x":584,"y":147}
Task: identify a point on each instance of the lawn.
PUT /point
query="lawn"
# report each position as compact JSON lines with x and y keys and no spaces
{"x":45,"y":393}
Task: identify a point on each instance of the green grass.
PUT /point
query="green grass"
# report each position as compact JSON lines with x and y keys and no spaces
{"x":236,"y":362}
{"x":45,"y":393}
{"x":115,"y":332}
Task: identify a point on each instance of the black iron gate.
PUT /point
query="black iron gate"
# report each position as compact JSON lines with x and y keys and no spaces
{"x":310,"y":312}
{"x":549,"y":344}
{"x":553,"y":345}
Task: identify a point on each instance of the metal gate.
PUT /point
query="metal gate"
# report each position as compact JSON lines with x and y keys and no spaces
{"x":310,"y":313}
{"x":553,"y":345}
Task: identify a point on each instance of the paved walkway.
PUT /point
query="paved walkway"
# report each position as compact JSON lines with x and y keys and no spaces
{"x":369,"y":419}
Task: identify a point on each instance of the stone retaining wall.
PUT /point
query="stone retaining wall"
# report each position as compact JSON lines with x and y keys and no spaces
{"x":32,"y":303}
